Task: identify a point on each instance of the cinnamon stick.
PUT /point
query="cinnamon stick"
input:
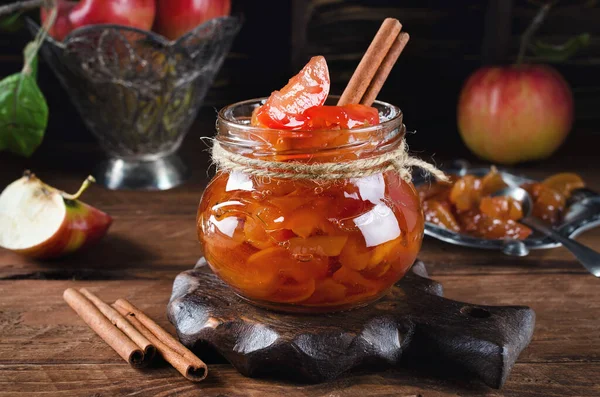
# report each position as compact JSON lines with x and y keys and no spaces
{"x":182,"y":359}
{"x":104,"y":328}
{"x":384,"y":69}
{"x":370,"y":62}
{"x":121,"y":323}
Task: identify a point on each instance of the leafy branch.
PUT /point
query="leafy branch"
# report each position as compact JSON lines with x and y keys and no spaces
{"x":531,"y":29}
{"x":560,"y":52}
{"x":23,"y":108}
{"x":544,"y":51}
{"x":40,"y":37}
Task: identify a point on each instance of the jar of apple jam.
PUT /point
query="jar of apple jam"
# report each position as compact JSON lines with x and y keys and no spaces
{"x":295,"y":243}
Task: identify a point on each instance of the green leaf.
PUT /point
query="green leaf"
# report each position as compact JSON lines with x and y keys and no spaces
{"x":23,"y":114}
{"x":12,"y":23}
{"x":30,"y":51}
{"x":561,"y":52}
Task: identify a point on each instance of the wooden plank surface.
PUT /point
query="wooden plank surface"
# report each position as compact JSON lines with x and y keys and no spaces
{"x":45,"y":328}
{"x":45,"y":349}
{"x":93,"y":379}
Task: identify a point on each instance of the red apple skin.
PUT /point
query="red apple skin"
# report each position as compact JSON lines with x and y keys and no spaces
{"x":174,"y":18}
{"x":514,"y":114}
{"x":136,"y":13}
{"x":62,"y":25}
{"x":72,"y":15}
{"x":82,"y":227}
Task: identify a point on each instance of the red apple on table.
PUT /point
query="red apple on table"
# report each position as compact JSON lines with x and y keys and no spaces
{"x":174,"y":18}
{"x":40,"y":221}
{"x":72,"y":15}
{"x":517,"y":113}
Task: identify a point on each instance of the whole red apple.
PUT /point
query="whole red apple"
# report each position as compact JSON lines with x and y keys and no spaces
{"x":72,"y":15}
{"x":40,"y":221}
{"x":174,"y":18}
{"x":517,"y":113}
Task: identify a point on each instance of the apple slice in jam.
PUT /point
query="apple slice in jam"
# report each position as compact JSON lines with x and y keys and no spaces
{"x":340,"y":117}
{"x":284,"y":108}
{"x":299,"y":105}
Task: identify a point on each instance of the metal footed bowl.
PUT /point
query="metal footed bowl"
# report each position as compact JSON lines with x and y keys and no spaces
{"x":583,"y":213}
{"x":139,"y":93}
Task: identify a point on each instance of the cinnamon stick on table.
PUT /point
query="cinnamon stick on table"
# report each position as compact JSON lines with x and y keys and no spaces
{"x":182,"y":359}
{"x":133,"y":334}
{"x":121,"y":323}
{"x":115,"y":338}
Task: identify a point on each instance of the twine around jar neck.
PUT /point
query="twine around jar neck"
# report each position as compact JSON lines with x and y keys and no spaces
{"x":396,"y":160}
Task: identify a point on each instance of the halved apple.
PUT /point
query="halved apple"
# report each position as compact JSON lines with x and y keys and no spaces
{"x":41,"y":221}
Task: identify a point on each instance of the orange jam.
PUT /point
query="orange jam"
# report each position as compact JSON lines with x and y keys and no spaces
{"x":310,"y":245}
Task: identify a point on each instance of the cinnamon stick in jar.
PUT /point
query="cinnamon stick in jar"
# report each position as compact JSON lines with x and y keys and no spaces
{"x":370,"y":62}
{"x":114,"y":337}
{"x":384,"y":69}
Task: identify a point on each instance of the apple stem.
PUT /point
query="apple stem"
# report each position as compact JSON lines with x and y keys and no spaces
{"x":531,"y":29}
{"x":40,"y":36}
{"x":88,"y":181}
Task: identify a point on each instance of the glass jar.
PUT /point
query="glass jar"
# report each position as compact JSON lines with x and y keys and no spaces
{"x":309,"y":245}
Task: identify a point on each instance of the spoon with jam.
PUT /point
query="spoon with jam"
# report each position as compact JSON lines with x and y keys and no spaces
{"x":589,"y":258}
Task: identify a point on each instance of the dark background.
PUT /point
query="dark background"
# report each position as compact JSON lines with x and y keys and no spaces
{"x":449,"y":40}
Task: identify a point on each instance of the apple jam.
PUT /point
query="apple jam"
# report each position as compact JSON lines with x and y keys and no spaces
{"x":465,"y":205}
{"x":310,"y":244}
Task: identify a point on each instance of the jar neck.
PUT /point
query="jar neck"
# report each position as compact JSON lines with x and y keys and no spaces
{"x":311,"y":146}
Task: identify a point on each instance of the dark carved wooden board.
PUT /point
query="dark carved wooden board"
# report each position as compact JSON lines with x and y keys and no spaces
{"x":412,"y":326}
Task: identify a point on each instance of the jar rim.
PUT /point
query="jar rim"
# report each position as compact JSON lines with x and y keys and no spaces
{"x":225,"y":116}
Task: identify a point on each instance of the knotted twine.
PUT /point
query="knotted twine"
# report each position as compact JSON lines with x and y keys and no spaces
{"x":398,"y":160}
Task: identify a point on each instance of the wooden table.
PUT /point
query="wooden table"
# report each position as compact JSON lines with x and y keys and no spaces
{"x":45,"y":349}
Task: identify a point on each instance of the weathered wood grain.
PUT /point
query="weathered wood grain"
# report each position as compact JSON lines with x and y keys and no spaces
{"x":61,"y":380}
{"x":36,"y":326}
{"x":131,"y":251}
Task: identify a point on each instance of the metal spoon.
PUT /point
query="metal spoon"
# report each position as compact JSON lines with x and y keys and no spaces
{"x":589,"y":258}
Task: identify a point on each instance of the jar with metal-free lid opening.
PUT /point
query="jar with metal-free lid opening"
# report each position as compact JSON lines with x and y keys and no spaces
{"x":294,"y":243}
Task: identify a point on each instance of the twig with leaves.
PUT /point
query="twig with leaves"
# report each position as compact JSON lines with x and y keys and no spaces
{"x":544,"y":51}
{"x":23,"y":108}
{"x":533,"y":27}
